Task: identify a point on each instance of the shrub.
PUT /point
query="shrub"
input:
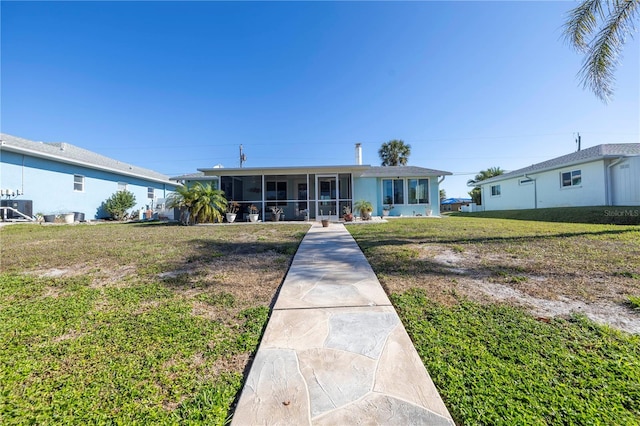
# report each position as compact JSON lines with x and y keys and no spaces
{"x":118,"y":204}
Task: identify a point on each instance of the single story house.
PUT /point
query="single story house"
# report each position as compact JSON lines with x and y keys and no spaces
{"x":454,"y":204}
{"x":56,"y":178}
{"x":603,"y":175}
{"x":316,"y":192}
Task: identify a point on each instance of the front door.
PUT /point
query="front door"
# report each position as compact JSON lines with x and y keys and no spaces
{"x":327,"y":197}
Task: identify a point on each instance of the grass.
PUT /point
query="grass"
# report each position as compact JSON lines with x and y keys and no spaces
{"x":155,"y":324}
{"x":547,"y":260}
{"x":494,"y":364}
{"x":142,"y":324}
{"x":493,"y":360}
{"x":598,"y":215}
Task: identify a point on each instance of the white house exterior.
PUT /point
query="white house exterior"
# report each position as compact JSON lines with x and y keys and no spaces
{"x":603,"y":175}
{"x":56,"y":178}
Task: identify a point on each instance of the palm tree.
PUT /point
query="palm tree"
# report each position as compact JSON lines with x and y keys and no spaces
{"x":394,"y":153}
{"x":476,"y":195}
{"x":598,"y":29}
{"x":199,"y":203}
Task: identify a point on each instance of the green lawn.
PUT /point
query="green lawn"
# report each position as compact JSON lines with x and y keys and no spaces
{"x":112,"y":341}
{"x":155,"y":324}
{"x":498,"y":364}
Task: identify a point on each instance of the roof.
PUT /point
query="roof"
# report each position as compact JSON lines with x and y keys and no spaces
{"x":402,"y":171}
{"x":70,"y":154}
{"x":598,"y":152}
{"x":455,"y":201}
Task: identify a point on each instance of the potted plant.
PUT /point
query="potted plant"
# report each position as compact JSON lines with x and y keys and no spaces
{"x":347,"y":216}
{"x":232,"y":210}
{"x":325,"y":221}
{"x":275,"y":213}
{"x":386,"y":209}
{"x":365,"y":208}
{"x":253,"y":213}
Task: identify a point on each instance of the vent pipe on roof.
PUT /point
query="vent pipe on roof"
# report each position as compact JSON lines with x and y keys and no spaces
{"x":62,"y":146}
{"x":359,"y":154}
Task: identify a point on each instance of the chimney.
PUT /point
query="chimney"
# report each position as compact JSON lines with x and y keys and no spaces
{"x":359,"y":154}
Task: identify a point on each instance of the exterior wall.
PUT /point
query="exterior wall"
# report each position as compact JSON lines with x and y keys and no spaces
{"x":367,"y":189}
{"x":625,"y":182}
{"x":370,"y":189}
{"x":548,"y":191}
{"x":50,"y":185}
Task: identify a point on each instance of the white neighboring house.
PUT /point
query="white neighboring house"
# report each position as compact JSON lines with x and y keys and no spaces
{"x":603,"y":175}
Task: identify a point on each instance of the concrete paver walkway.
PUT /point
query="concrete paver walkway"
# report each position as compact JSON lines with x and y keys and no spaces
{"x":334,"y":351}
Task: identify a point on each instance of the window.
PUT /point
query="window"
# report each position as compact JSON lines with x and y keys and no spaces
{"x":122,"y":186}
{"x":150,"y":193}
{"x":393,"y":191}
{"x":277,"y":190}
{"x":418,"y":191}
{"x":572,"y":178}
{"x":78,"y":183}
{"x":495,"y":190}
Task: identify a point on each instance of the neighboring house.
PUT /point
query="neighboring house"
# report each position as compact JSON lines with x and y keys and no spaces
{"x":603,"y":175}
{"x":453,"y":204}
{"x":62,"y":178}
{"x":324,"y":191}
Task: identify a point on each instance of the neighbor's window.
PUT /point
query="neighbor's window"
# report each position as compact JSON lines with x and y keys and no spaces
{"x":572,"y":178}
{"x":122,"y":186}
{"x":418,"y":191}
{"x":78,"y":183}
{"x":495,"y":190}
{"x":150,"y":194}
{"x":393,"y":191}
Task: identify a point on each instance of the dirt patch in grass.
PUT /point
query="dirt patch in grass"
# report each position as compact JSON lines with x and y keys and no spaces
{"x":550,"y":269}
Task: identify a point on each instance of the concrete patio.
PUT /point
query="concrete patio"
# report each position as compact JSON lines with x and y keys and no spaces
{"x":334,"y":350}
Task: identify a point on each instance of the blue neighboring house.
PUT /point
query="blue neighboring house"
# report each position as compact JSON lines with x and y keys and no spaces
{"x":314,"y":192}
{"x":56,"y":178}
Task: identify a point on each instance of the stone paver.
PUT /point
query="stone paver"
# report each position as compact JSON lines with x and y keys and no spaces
{"x":334,"y":350}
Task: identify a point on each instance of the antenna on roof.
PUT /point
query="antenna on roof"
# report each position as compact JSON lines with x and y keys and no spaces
{"x":243,"y":157}
{"x":579,"y":142}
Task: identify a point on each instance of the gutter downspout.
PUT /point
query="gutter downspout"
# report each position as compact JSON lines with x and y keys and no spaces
{"x":608,"y":179}
{"x":535,"y":190}
{"x":439,"y":205}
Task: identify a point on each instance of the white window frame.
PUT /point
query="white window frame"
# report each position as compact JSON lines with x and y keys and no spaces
{"x":409,"y":188}
{"x":574,"y":175}
{"x":75,"y":183}
{"x":496,"y":190}
{"x":122,"y":186}
{"x":393,"y":191}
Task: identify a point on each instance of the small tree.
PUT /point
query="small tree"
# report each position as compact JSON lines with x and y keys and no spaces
{"x":443,"y":194}
{"x":475,"y":193}
{"x":118,"y":204}
{"x":200,"y":203}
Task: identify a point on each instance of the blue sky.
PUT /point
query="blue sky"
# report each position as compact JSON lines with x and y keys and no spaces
{"x":177,"y":86}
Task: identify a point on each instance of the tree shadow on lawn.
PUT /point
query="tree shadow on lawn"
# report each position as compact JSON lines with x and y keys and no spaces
{"x":368,"y":241}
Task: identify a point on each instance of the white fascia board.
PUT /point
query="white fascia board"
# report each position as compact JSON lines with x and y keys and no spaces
{"x":245,"y":171}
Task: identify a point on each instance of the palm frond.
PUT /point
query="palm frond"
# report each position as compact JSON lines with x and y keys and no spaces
{"x":597,"y":72}
{"x":582,"y":22}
